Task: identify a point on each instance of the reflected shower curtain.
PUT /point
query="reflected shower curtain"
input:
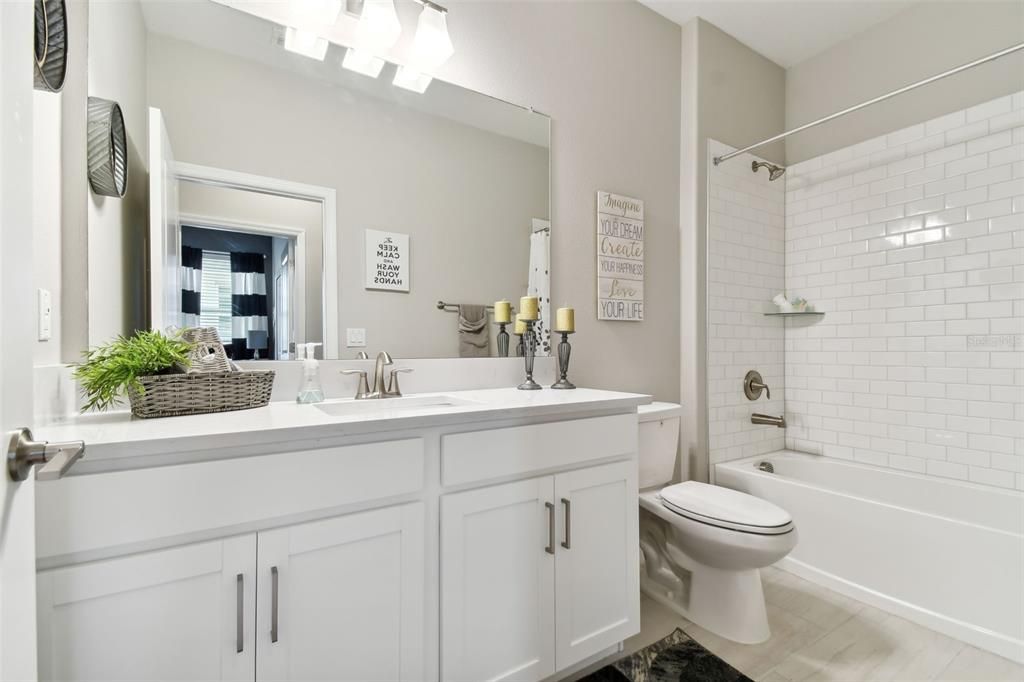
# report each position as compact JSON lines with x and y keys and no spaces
{"x":540,"y":286}
{"x":248,"y":301}
{"x":191,"y":285}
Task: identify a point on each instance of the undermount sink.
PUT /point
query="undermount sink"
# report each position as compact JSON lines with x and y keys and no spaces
{"x":348,"y":408}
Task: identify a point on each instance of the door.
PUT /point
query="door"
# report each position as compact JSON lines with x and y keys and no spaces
{"x":343,"y":599}
{"x":185,"y":613}
{"x":497,"y":581}
{"x":164,"y":228}
{"x":597,"y":588}
{"x":17,"y":500}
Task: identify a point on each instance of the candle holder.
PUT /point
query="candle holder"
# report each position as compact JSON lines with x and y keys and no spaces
{"x":502,"y":341}
{"x":530,"y":342}
{"x":564,"y":351}
{"x":520,"y":347}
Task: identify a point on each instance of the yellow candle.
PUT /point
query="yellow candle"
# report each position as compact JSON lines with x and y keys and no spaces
{"x":565,"y":320}
{"x":520,"y":325}
{"x":529,"y":308}
{"x":502,"y":311}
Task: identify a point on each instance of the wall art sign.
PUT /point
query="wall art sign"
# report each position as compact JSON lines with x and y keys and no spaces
{"x":620,"y":258}
{"x":387,"y":261}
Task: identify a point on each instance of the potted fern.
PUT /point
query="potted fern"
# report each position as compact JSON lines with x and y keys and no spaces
{"x":107,"y":373}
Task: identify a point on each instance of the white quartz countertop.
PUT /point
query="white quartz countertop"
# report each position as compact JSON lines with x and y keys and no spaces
{"x":119,"y":435}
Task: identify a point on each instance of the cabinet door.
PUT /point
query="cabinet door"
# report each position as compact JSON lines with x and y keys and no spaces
{"x":597,"y":589}
{"x":497,"y":578}
{"x":343,"y":599}
{"x":185,"y":613}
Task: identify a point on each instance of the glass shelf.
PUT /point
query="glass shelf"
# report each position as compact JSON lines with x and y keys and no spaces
{"x":806,"y":313}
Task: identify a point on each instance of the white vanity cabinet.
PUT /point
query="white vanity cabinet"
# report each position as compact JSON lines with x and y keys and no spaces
{"x":338,"y":599}
{"x":538,"y":575}
{"x":492,"y":546}
{"x":343,"y":598}
{"x":184,"y":613}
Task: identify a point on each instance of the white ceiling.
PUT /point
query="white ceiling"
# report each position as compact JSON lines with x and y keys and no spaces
{"x":785,"y":31}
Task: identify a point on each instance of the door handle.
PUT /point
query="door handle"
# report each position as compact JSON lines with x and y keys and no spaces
{"x":550,"y":549}
{"x":273,"y":603}
{"x":23,"y":453}
{"x":567,"y":543}
{"x":239,"y":613}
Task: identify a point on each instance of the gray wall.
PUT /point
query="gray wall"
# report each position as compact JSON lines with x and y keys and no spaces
{"x":608,"y":74}
{"x":733,"y":95}
{"x":924,"y":40}
{"x":465,"y":196}
{"x":118,"y":227}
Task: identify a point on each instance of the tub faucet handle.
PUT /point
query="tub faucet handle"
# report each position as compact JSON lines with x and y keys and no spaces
{"x":753,"y":384}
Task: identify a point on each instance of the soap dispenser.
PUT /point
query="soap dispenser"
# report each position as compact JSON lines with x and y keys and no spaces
{"x":310,"y":391}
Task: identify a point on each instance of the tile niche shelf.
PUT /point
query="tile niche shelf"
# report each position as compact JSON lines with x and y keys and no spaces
{"x":806,"y":313}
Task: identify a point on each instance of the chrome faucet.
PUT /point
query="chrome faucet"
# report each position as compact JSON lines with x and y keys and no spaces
{"x":379,"y":390}
{"x":757,"y":418}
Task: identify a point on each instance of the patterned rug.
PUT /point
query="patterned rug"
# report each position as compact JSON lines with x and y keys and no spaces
{"x":677,"y":658}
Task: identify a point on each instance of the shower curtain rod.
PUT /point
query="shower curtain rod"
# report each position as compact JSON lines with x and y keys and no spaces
{"x":876,"y":100}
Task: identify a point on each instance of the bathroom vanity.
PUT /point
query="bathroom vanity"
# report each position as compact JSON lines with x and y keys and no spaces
{"x":473,"y":535}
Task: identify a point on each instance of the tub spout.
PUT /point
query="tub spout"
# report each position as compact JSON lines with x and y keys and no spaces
{"x":779,"y":421}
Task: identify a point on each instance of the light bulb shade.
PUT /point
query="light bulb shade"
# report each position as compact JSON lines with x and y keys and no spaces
{"x":305,"y":43}
{"x":362,"y":62}
{"x":378,"y":29}
{"x":411,"y":80}
{"x":314,"y":14}
{"x":432,"y":46}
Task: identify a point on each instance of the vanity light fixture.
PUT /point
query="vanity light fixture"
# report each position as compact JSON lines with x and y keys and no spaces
{"x":431,"y":48}
{"x":314,"y":14}
{"x":362,"y":61}
{"x":306,"y":43}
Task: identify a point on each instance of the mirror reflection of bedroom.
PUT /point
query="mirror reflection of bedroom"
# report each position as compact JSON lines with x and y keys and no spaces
{"x":243,"y":264}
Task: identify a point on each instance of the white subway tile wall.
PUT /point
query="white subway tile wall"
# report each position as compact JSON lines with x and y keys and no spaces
{"x":746,"y":268}
{"x":913,"y":245}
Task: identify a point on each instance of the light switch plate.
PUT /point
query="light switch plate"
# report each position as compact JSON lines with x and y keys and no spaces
{"x":356,"y":337}
{"x":45,"y":314}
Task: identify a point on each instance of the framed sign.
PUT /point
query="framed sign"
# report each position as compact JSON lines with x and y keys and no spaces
{"x":620,"y":258}
{"x":387,"y":261}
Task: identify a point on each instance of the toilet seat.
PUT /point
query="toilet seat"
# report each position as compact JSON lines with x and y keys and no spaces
{"x":725,"y":508}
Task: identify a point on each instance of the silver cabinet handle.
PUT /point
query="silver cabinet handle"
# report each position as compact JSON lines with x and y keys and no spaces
{"x":23,"y":453}
{"x":550,"y":549}
{"x":273,"y":603}
{"x":239,"y":613}
{"x":567,"y":543}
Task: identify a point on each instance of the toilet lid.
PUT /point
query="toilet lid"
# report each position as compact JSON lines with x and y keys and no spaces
{"x":726,"y":508}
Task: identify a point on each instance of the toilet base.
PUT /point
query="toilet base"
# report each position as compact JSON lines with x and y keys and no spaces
{"x":728,"y":603}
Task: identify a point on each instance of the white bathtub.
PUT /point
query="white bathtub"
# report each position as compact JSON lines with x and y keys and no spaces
{"x":946,"y":554}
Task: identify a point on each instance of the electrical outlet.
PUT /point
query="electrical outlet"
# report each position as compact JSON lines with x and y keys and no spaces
{"x":45,"y":314}
{"x":356,"y":337}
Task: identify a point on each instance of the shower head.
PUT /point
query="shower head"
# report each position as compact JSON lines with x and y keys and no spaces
{"x":774,"y":172}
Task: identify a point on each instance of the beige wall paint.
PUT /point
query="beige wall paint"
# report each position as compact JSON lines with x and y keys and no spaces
{"x":921,"y":41}
{"x":608,"y":75}
{"x":733,"y":95}
{"x":117,"y":227}
{"x":465,"y":196}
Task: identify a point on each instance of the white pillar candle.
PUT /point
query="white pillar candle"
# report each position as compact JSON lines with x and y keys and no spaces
{"x":565,"y":320}
{"x":529,"y":308}
{"x":502,"y":311}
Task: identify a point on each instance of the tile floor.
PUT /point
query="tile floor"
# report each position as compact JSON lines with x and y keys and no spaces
{"x":818,"y":634}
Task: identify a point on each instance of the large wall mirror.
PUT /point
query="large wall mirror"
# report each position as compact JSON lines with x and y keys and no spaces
{"x":290,"y":200}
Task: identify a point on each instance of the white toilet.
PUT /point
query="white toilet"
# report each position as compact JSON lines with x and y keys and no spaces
{"x":701,"y":553}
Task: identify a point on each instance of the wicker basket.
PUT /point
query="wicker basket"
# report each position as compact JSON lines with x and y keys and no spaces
{"x":171,"y":395}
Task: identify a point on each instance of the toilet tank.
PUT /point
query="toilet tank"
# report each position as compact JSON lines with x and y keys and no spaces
{"x":659,"y":443}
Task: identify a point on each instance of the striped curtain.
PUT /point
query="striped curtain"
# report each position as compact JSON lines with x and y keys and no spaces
{"x":248,"y":301}
{"x":191,"y":285}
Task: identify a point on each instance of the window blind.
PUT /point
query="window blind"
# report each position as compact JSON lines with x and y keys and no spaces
{"x":215,"y":300}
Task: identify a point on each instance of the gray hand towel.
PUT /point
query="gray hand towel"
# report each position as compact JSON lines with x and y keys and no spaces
{"x":474,"y":332}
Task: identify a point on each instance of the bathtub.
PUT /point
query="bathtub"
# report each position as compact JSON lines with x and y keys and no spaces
{"x":946,"y":554}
